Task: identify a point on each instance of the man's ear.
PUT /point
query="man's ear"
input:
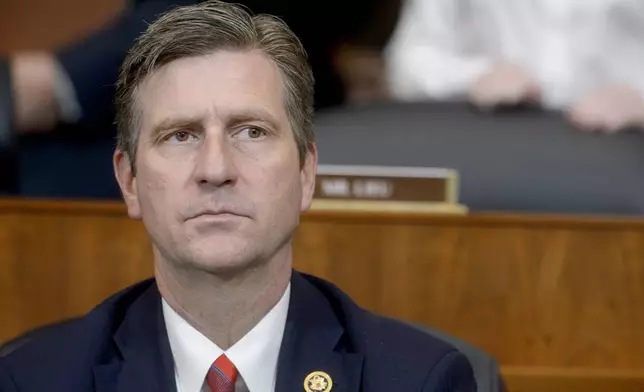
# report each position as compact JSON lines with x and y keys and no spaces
{"x":307,"y":177}
{"x":127,"y":182}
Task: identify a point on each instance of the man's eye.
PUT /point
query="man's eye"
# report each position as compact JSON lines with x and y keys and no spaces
{"x":180,"y":136}
{"x":251,"y":133}
{"x":254,"y":133}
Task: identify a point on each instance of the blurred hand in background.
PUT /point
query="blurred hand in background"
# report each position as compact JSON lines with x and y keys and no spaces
{"x":32,"y":88}
{"x":505,"y":84}
{"x":362,"y":72}
{"x":609,"y":109}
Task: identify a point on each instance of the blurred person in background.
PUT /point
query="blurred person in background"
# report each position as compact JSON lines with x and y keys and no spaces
{"x":74,"y":87}
{"x":343,"y":41}
{"x":584,"y":57}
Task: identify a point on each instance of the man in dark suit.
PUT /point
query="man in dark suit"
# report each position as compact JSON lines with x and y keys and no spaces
{"x":216,"y":154}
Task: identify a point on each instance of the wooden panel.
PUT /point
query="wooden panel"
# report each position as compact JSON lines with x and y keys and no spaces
{"x":534,"y":293}
{"x":538,"y":293}
{"x":520,"y":379}
{"x":48,"y":24}
{"x":58,"y":262}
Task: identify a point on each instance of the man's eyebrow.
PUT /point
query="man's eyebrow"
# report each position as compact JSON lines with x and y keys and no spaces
{"x":239,"y":117}
{"x":175,"y":122}
{"x":234,"y":118}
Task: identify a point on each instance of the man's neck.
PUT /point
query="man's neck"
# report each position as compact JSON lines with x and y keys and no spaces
{"x":224,"y":309}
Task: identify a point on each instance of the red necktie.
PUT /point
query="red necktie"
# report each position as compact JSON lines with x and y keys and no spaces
{"x":222,"y":375}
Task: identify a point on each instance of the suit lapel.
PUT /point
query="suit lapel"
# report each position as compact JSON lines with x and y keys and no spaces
{"x":146,"y":363}
{"x":315,"y":341}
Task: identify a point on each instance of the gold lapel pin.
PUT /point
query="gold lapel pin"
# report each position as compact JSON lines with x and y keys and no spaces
{"x":318,"y":382}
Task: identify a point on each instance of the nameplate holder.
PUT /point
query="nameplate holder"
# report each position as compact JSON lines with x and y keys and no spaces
{"x":387,"y":188}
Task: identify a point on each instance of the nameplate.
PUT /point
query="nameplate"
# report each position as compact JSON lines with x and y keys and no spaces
{"x":386,"y":188}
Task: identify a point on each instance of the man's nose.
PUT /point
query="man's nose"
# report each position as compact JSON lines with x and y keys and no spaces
{"x":215,"y":161}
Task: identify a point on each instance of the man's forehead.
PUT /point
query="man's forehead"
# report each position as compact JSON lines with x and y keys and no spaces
{"x":222,"y":83}
{"x":252,"y":67}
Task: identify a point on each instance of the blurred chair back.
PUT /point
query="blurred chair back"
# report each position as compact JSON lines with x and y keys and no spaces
{"x":527,"y":161}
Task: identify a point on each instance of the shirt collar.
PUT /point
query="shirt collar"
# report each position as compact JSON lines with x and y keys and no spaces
{"x":255,"y":356}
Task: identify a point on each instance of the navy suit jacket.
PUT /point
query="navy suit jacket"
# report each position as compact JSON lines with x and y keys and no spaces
{"x":122,"y":346}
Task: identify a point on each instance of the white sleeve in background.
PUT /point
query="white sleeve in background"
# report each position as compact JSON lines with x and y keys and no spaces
{"x":623,"y":50}
{"x":434,"y":51}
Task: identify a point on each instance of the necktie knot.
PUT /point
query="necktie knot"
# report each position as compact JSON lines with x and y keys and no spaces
{"x":222,"y":375}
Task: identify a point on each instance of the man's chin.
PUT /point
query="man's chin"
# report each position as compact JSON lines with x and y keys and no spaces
{"x":225,"y":259}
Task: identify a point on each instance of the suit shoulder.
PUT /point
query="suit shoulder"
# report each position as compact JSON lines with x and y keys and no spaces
{"x":376,"y":331}
{"x":73,"y":345}
{"x":403,"y":351}
{"x":386,"y":336}
{"x":395,"y":352}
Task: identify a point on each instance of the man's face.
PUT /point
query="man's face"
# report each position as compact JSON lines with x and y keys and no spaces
{"x":218,"y":181}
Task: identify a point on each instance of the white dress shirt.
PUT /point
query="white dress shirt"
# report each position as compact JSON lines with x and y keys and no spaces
{"x":571,"y":47}
{"x":255,"y":356}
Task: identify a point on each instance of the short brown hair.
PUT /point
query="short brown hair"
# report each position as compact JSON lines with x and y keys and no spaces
{"x":200,"y":30}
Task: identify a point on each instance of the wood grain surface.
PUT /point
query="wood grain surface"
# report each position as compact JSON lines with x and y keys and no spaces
{"x":555,"y":299}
